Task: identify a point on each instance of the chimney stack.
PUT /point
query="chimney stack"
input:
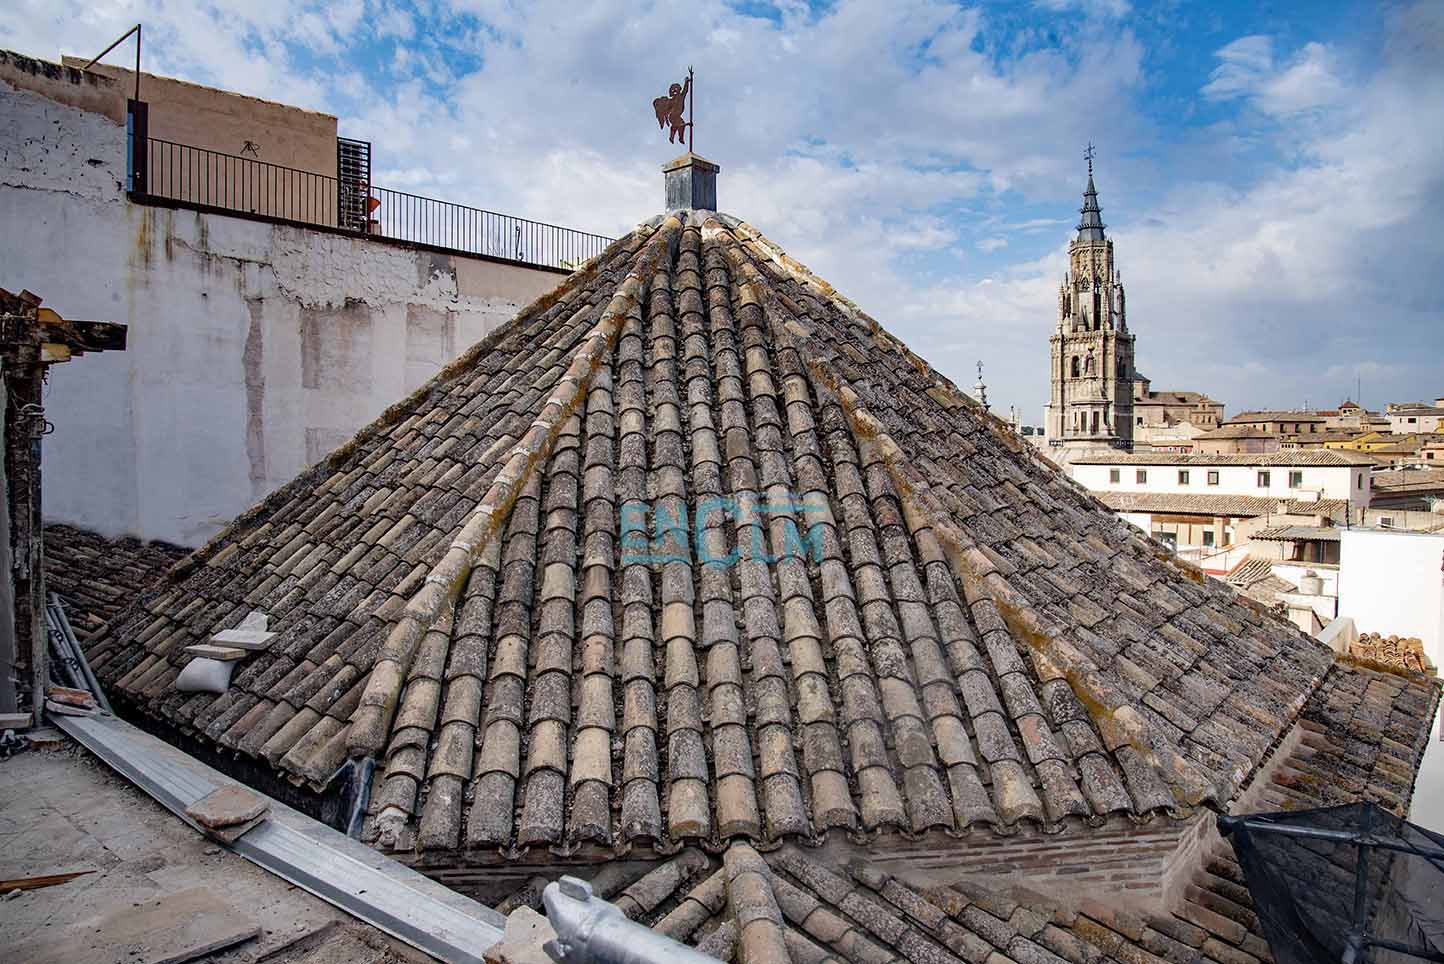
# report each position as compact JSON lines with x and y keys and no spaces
{"x":691,"y":182}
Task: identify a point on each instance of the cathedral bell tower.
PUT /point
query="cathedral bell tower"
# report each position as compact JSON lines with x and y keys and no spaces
{"x":1090,"y":404}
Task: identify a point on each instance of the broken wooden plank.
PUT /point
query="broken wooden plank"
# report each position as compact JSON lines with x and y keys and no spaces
{"x":40,"y":880}
{"x":180,"y":927}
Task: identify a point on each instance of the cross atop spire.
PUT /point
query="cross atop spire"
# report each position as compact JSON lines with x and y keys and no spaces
{"x":1088,"y":156}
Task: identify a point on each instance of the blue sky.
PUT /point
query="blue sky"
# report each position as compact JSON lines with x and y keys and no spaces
{"x":1272,"y":173}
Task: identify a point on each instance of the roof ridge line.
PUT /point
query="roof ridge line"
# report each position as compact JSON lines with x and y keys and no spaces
{"x":857,"y":316}
{"x":372,"y":718}
{"x":1052,"y":655}
{"x":917,"y":501}
{"x":390,"y":414}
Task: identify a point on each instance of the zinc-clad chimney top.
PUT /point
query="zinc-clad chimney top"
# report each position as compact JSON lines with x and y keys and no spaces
{"x":691,"y":182}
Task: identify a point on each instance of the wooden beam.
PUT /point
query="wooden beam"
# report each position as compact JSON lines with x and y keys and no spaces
{"x":42,"y":880}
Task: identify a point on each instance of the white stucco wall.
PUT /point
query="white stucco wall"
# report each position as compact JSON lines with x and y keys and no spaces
{"x":254,"y":348}
{"x":1392,"y":582}
{"x":1329,"y":482}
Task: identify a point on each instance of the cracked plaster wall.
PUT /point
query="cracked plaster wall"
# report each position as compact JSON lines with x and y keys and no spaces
{"x":254,"y":348}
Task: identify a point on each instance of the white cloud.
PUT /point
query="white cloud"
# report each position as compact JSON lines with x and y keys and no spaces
{"x":1317,"y":268}
{"x":885,"y":145}
{"x":1094,"y":8}
{"x":1309,"y":80}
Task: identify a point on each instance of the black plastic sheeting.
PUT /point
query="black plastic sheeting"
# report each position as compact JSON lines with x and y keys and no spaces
{"x":1349,"y":884}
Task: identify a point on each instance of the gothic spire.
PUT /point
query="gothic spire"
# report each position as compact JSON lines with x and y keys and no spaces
{"x":1090,"y":228}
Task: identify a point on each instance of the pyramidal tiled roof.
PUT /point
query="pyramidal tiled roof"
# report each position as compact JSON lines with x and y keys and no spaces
{"x":693,"y":549}
{"x":1362,"y":735}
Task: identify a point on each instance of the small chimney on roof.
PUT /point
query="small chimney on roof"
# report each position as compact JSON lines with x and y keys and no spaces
{"x":691,"y":182}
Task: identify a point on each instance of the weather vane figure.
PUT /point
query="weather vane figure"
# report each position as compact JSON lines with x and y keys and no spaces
{"x":669,"y":111}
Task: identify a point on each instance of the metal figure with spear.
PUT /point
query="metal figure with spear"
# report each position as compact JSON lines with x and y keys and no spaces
{"x":669,"y":111}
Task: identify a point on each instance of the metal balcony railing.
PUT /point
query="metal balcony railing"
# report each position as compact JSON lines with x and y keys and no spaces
{"x":195,"y":175}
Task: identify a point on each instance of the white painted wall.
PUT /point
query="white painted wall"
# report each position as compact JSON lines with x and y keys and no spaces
{"x":1294,"y":572}
{"x":254,"y":348}
{"x":1142,"y":520}
{"x":1328,"y":482}
{"x":1392,"y":582}
{"x":1402,"y":423}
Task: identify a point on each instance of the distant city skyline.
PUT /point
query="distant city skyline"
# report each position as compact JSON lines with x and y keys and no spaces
{"x":1273,"y":183}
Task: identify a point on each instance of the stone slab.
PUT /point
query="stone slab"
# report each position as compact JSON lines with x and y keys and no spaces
{"x":246,"y":639}
{"x":229,"y":835}
{"x":184,"y":926}
{"x":229,"y":806}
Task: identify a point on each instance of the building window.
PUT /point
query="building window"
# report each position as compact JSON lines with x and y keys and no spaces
{"x":1361,"y":481}
{"x":1213,"y":477}
{"x":1296,"y":479}
{"x":1386,"y":521}
{"x":1142,"y":476}
{"x":1183,"y":476}
{"x":1140,"y":422}
{"x":1263,"y":480}
{"x":1075,"y":366}
{"x":1113,"y":476}
{"x":1208,"y":538}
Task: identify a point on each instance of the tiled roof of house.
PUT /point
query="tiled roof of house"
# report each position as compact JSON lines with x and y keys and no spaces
{"x":1403,"y":480}
{"x":99,"y":577}
{"x":1255,"y":578}
{"x":1289,"y":457}
{"x":1276,"y":416}
{"x":1294,"y":533}
{"x":1242,"y":506}
{"x":1236,"y":431}
{"x":521,"y":592}
{"x":1364,"y":732}
{"x":1170,"y":397}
